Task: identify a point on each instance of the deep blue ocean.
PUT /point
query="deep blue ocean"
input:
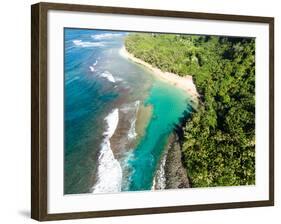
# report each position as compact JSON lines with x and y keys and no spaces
{"x":117,"y":115}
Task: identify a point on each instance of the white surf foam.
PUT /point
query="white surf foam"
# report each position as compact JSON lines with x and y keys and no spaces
{"x":108,"y":76}
{"x":105,"y":36}
{"x":159,"y":181}
{"x":117,"y":79}
{"x":81,"y":43}
{"x":92,"y":67}
{"x":109,"y":169}
{"x":132,"y":131}
{"x":112,"y":121}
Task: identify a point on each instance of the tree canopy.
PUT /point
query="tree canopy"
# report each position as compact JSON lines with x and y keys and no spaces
{"x":219,"y":138}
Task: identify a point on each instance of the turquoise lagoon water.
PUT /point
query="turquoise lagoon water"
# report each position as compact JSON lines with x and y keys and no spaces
{"x":103,"y":95}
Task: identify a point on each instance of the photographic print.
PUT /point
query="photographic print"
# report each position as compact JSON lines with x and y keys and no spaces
{"x":141,"y":111}
{"x":157,"y":111}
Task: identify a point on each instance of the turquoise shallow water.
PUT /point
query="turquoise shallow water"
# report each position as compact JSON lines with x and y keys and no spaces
{"x":168,"y":104}
{"x":98,"y":80}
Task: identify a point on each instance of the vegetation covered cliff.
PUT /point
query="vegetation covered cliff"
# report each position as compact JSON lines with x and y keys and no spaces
{"x":219,"y":138}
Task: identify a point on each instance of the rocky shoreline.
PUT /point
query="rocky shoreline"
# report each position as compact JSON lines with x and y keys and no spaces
{"x":171,"y":173}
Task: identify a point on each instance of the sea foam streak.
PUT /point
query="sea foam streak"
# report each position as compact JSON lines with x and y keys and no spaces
{"x":159,"y":181}
{"x":81,"y":43}
{"x":92,"y":67}
{"x":108,"y":76}
{"x":132,"y":131}
{"x":109,"y":169}
{"x":105,"y":36}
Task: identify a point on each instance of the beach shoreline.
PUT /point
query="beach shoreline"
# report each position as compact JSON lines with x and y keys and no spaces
{"x":185,"y":83}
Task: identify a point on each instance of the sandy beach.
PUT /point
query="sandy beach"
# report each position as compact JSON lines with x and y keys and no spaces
{"x":185,"y":83}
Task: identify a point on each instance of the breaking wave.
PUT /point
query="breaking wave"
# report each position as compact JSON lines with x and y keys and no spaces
{"x":159,"y":181}
{"x":81,"y":43}
{"x":109,"y":177}
{"x":105,"y":36}
{"x":108,"y":76}
{"x":132,"y":131}
{"x":92,"y":67}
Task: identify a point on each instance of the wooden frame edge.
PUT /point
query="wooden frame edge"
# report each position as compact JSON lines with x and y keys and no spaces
{"x":271,"y":111}
{"x":154,"y":12}
{"x":39,"y":209}
{"x":34,"y":112}
{"x":157,"y":210}
{"x":38,"y":112}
